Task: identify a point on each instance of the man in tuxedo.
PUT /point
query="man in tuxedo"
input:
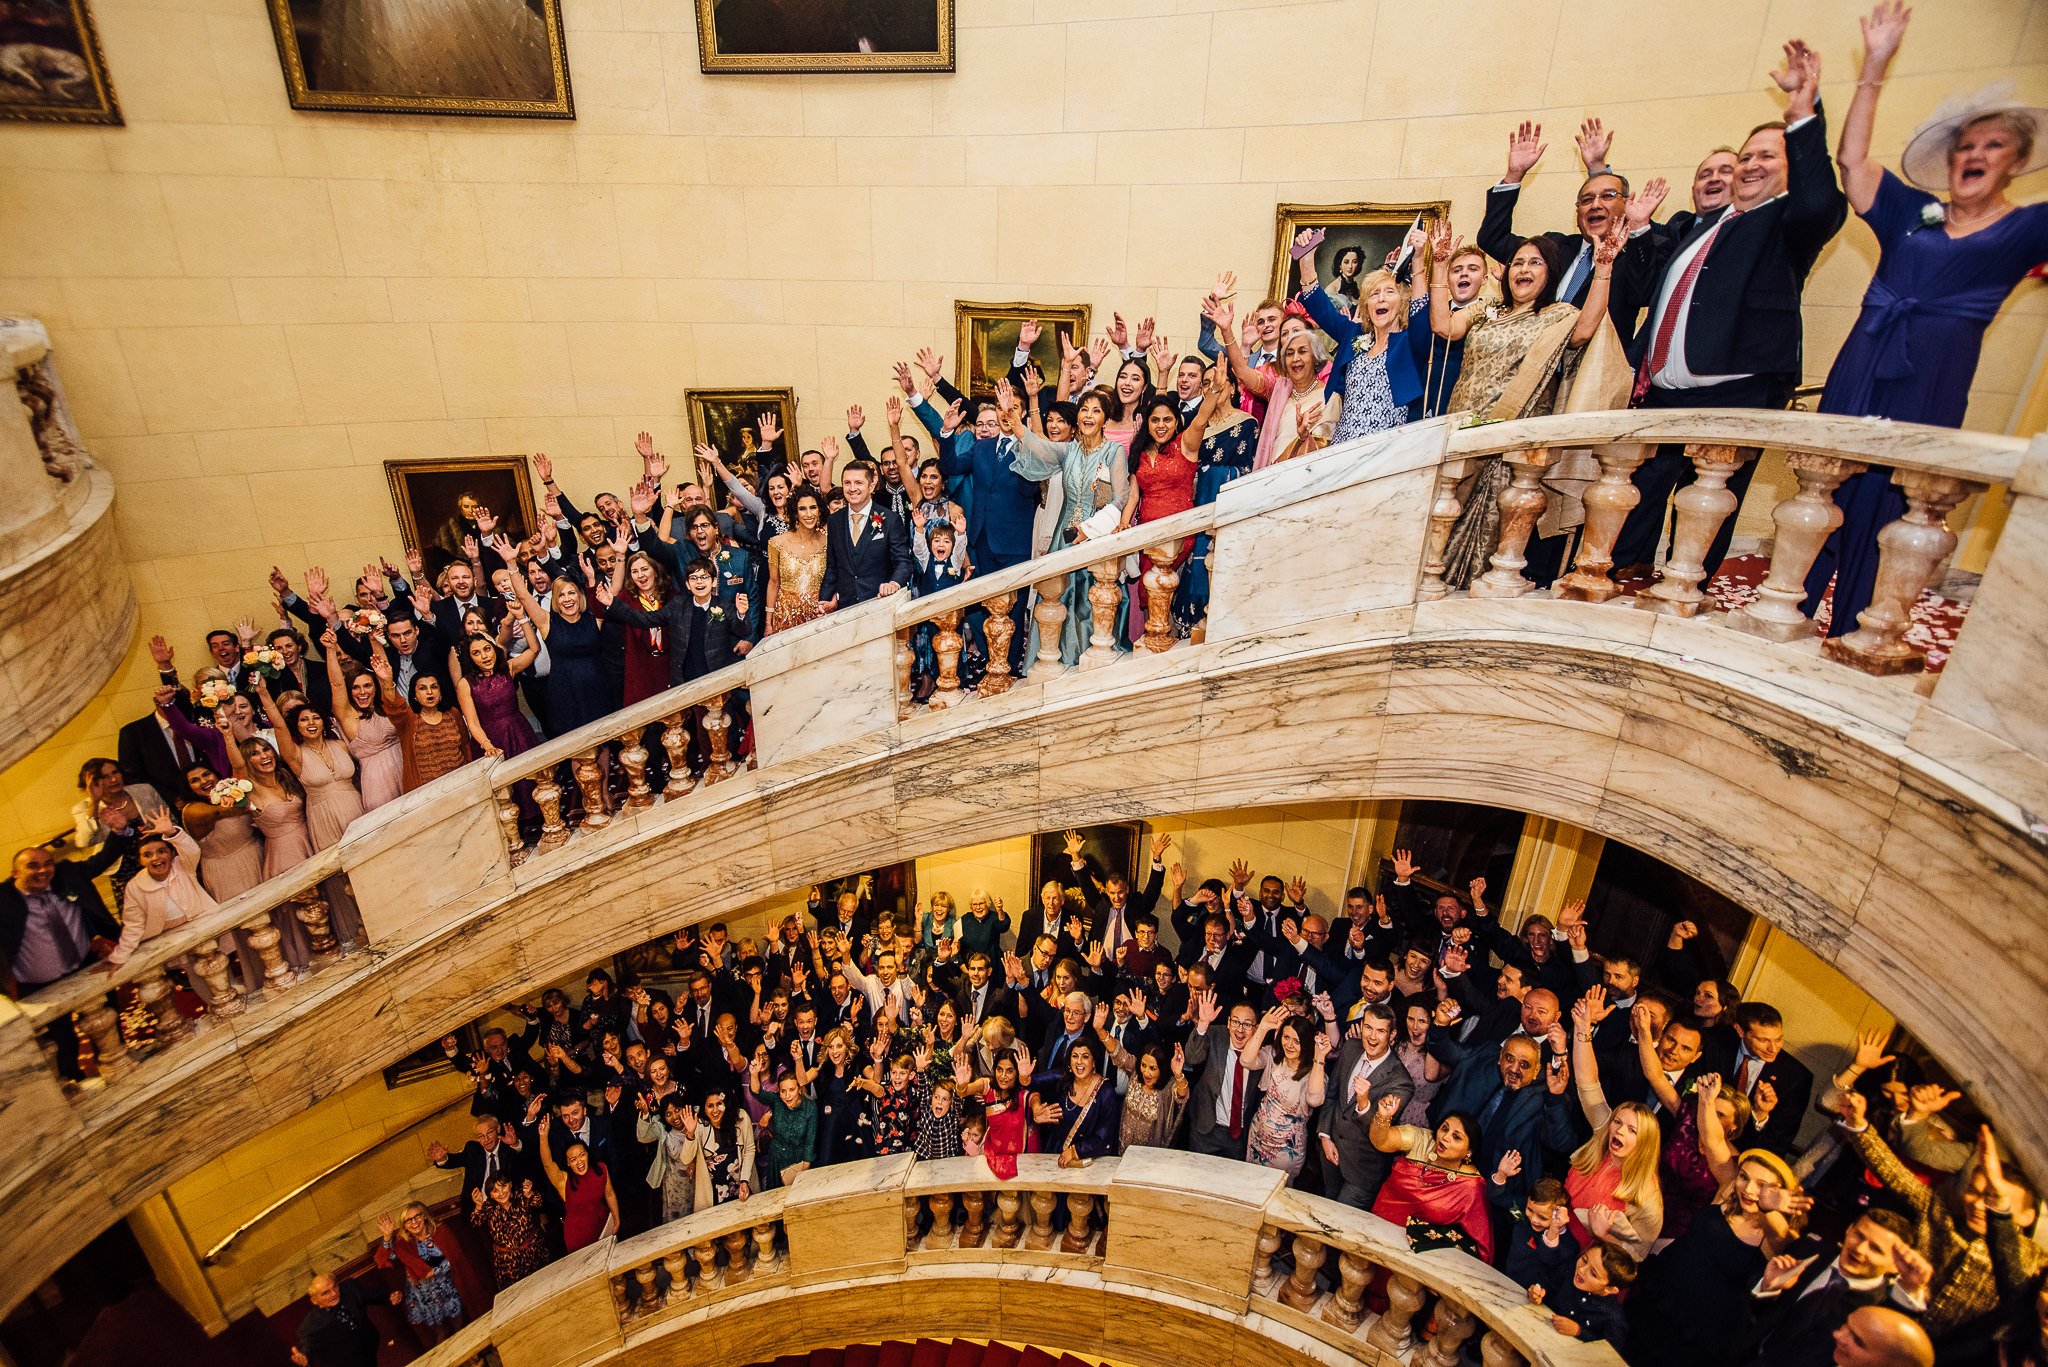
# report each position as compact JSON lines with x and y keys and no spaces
{"x":574,"y":1124}
{"x":1778,"y":1085}
{"x":1602,"y":199}
{"x":1000,"y":503}
{"x":337,"y":1331}
{"x":867,"y":548}
{"x":1803,"y":1298}
{"x":459,"y":595}
{"x":150,"y":751}
{"x":1227,"y":958}
{"x":1225,"y":1092}
{"x":1878,"y":1336}
{"x":413,"y":647}
{"x":494,"y":1153}
{"x":1724,"y":329}
{"x":980,"y":995}
{"x":1367,"y":1070}
{"x":1112,"y":906}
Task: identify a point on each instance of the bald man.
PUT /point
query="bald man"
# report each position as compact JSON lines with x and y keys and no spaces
{"x":1879,"y":1337}
{"x":337,"y":1331}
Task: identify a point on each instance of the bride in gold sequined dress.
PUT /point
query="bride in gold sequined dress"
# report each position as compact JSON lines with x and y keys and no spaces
{"x":796,"y":565}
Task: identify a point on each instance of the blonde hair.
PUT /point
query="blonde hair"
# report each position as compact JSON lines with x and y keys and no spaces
{"x":942,"y":899}
{"x":2019,"y":124}
{"x":1372,"y":281}
{"x":1639,"y":1169}
{"x":427,"y":1225}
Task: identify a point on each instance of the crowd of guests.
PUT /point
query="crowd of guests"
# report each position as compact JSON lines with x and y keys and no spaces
{"x":1623,"y":1138}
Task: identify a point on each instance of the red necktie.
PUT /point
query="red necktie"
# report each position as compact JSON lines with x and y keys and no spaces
{"x":1681,"y":299}
{"x":1236,"y":1079}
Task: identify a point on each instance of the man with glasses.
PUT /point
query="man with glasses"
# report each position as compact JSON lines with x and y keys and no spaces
{"x":1225,"y":1091}
{"x":1601,"y":199}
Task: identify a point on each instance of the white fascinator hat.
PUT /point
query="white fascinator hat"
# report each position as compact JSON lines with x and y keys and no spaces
{"x":1925,"y":162}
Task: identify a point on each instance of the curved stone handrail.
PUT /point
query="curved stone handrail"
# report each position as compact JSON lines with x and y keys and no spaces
{"x":1188,"y":1242}
{"x":1858,"y":813}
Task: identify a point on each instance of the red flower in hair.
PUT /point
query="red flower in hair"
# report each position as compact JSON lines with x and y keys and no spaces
{"x":1287,"y":989}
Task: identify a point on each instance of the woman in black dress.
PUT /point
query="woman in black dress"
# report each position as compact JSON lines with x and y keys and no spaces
{"x":845,"y":1130}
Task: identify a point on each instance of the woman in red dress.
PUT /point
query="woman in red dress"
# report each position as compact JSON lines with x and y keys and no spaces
{"x":590,"y":1208}
{"x":1163,"y":457}
{"x":1008,"y":1108}
{"x":1434,"y":1191}
{"x":647,"y":588}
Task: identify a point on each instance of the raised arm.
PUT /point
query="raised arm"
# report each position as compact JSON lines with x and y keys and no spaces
{"x":1444,"y":323}
{"x":287,"y":743}
{"x":1884,"y":28}
{"x":337,"y":687}
{"x":1225,"y":318}
{"x":1716,"y":1144}
{"x":1594,"y":311}
{"x":527,"y":602}
{"x":1592,"y":1099}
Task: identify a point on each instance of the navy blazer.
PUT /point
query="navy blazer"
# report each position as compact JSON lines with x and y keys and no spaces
{"x":1405,"y":368}
{"x":1005,"y":503}
{"x":1527,"y":1121}
{"x":856,"y":571}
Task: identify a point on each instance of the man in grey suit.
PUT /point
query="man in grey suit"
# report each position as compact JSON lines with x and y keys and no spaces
{"x":1367,"y":1071}
{"x":1225,"y":1092}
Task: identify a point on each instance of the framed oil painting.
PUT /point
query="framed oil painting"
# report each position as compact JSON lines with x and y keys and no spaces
{"x":1111,"y":847}
{"x":432,"y":1060}
{"x":725,"y":419}
{"x":1358,"y":238}
{"x":437,"y":501}
{"x":503,"y":58}
{"x":51,"y":70}
{"x":985,"y":340}
{"x":784,"y":37}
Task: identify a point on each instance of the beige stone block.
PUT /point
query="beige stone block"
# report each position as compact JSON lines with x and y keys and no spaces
{"x":696,"y":231}
{"x":796,"y":234}
{"x":366,"y":372}
{"x":1487,"y":76}
{"x":902,"y":161}
{"x":233,"y":226}
{"x":726,"y":301}
{"x":1719,"y":47}
{"x":204,"y":509}
{"x":587,"y":451}
{"x":1070,"y":11}
{"x":858,"y":303}
{"x":173,"y":77}
{"x":772,"y":161}
{"x":480,"y":300}
{"x":244,"y":51}
{"x":201,"y":379}
{"x":1033,"y":159}
{"x":637,"y":367}
{"x":631,"y":98}
{"x":408,"y":228}
{"x":1087,"y":248}
{"x":349,"y":501}
{"x":504,"y":369}
{"x":493,"y":155}
{"x":851,"y":370}
{"x":336,"y":300}
{"x":338,"y":151}
{"x":591,"y":300}
{"x":52,"y":147}
{"x":1191,"y":156}
{"x":1107,"y":89}
{"x":1474,"y":145}
{"x":265,"y":450}
{"x":1255,"y":64}
{"x":85,"y":223}
{"x":371,"y":443}
{"x":548,"y":230}
{"x":749,"y":354}
{"x":93,"y":302}
{"x":141,"y":460}
{"x":986,"y":58}
{"x":44,"y":299}
{"x":1365,"y":148}
{"x":1162,"y":251}
{"x":195,"y":149}
{"x":836,"y":107}
{"x":726,"y":104}
{"x":650,"y":158}
{"x":936,"y":234}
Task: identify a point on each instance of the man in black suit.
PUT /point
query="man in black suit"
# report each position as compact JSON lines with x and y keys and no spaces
{"x":494,"y":1153}
{"x":1367,"y":1071}
{"x":1601,"y":200}
{"x":1778,"y":1085}
{"x":459,"y":594}
{"x":1112,"y":906}
{"x":867,"y":547}
{"x":413,"y":647}
{"x":150,"y":751}
{"x":337,"y":1331}
{"x":1802,"y":1299}
{"x":574,"y":1124}
{"x":1724,"y":329}
{"x":1516,"y":1103}
{"x":1225,"y":1092}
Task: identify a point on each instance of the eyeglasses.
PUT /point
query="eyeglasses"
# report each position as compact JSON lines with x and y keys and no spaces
{"x":1596,"y":196}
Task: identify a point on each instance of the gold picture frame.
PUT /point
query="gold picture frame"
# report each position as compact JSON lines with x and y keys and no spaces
{"x":1375,"y":229}
{"x":71,"y":72}
{"x":426,"y":496}
{"x":985,"y":338}
{"x":766,"y":53}
{"x":529,"y":38}
{"x":724,"y":419}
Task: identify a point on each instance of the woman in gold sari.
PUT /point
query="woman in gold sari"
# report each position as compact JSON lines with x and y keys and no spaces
{"x":796,"y":564}
{"x":1523,"y":357}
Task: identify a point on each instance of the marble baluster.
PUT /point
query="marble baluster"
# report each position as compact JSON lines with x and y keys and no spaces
{"x":211,"y":968}
{"x":547,"y":795}
{"x":1080,"y":1212}
{"x":590,"y":778}
{"x":1161,"y":579}
{"x":1521,"y":504}
{"x":717,"y":741}
{"x":311,"y":909}
{"x":764,"y":1244}
{"x":1454,"y":1326}
{"x":1608,"y":501}
{"x":705,"y":1253}
{"x":1909,"y":552}
{"x":1346,"y":1309}
{"x":974,"y":1233}
{"x":1105,"y":596}
{"x":905,"y":660}
{"x":1443,"y":515}
{"x":1042,"y":1205}
{"x":911,"y":1206}
{"x":1009,"y":1227}
{"x":1299,"y":1290}
{"x":508,"y":824}
{"x":675,"y":742}
{"x":999,"y":630}
{"x":154,"y":992}
{"x":264,"y":937}
{"x":940,"y":1204}
{"x":644,"y":1278}
{"x":1263,"y":1250}
{"x":947,"y":643}
{"x":678,"y":1267}
{"x":1394,"y":1331}
{"x":619,"y":1301}
{"x":633,"y":758}
{"x":738,"y":1257}
{"x":1495,"y":1351}
{"x":1804,"y":523}
{"x":1697,"y":512}
{"x":102,"y":1026}
{"x":1050,"y":613}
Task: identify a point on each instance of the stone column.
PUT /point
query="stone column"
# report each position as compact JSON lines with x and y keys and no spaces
{"x":102,"y":1026}
{"x":1009,"y":1220}
{"x":1521,"y":503}
{"x":211,"y":967}
{"x":1608,"y":502}
{"x":1804,"y":521}
{"x":1909,"y":551}
{"x":1080,"y":1210}
{"x":1394,"y":1331}
{"x":154,"y":992}
{"x":263,"y":937}
{"x":1042,"y":1203}
{"x":1050,"y":612}
{"x":675,"y":742}
{"x":1443,"y":514}
{"x":590,"y":778}
{"x":718,"y":741}
{"x":1346,"y":1309}
{"x":974,"y":1233}
{"x":738,"y":1265}
{"x":764,"y":1244}
{"x":678,"y":1268}
{"x":508,"y":824}
{"x":311,"y":909}
{"x":904,"y":659}
{"x":633,"y":756}
{"x":1697,"y":512}
{"x":1495,"y":1351}
{"x":999,"y":630}
{"x":940,"y":1204}
{"x":1160,"y":580}
{"x":1262,"y":1254}
{"x":1299,"y":1290}
{"x":1454,"y":1325}
{"x":547,"y":795}
{"x":1104,"y":597}
{"x":946,"y":646}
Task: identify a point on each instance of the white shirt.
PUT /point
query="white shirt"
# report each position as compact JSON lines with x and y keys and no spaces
{"x":1233,"y":1080}
{"x":1676,"y":374}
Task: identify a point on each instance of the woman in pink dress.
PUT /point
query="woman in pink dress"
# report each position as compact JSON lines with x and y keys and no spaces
{"x":373,"y":742}
{"x":277,"y":810}
{"x":230,"y":855}
{"x":327,"y":772}
{"x":1163,"y":463}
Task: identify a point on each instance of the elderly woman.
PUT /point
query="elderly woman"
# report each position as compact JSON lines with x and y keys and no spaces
{"x":1293,"y":390}
{"x":1381,"y":357}
{"x":441,"y":1288}
{"x":1942,"y":272}
{"x":1094,"y":472}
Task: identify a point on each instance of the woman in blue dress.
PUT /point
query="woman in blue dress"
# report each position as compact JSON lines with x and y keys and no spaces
{"x":1094,"y":472}
{"x":578,"y":693}
{"x":1228,"y":449}
{"x":1942,"y":272}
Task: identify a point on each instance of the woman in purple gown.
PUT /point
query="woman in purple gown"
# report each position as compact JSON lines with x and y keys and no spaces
{"x":1942,"y":272}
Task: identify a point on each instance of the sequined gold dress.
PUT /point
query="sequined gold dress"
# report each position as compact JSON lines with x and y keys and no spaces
{"x":798,"y":576}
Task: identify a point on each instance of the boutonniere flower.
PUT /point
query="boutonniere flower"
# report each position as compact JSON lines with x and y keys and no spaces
{"x":1932,"y":214}
{"x":717,"y":613}
{"x":876,"y":520}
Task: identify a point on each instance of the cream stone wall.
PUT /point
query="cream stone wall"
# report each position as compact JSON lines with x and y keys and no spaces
{"x":253,"y":307}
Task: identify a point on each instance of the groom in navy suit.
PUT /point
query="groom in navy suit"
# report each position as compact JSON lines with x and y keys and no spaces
{"x":867,"y":547}
{"x":1000,"y":514}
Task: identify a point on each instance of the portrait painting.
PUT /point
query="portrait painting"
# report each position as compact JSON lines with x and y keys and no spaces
{"x":728,"y":421}
{"x":504,"y":58}
{"x":432,"y":1060}
{"x":985,"y":340}
{"x":437,"y":502}
{"x":1111,"y":847}
{"x":51,"y":70}
{"x":1358,"y":238}
{"x":779,"y":37}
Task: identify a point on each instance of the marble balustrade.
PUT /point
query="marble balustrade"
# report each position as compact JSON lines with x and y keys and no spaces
{"x":1865,"y":816}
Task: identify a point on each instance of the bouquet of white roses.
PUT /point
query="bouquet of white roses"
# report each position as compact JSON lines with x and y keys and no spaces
{"x":264,"y":660}
{"x":231,"y":792}
{"x":216,"y":693}
{"x":364,"y":621}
